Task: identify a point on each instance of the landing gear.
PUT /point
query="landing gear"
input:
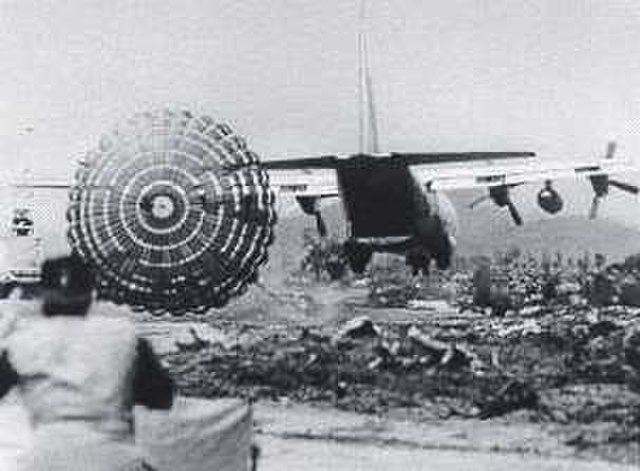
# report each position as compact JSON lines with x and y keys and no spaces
{"x":358,"y":255}
{"x":419,"y":260}
{"x":443,"y":261}
{"x":335,"y":267}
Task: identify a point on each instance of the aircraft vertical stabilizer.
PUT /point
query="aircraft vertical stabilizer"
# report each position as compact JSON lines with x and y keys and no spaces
{"x":367,"y":114}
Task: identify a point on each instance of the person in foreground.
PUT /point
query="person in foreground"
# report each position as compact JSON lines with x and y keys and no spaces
{"x":79,"y":373}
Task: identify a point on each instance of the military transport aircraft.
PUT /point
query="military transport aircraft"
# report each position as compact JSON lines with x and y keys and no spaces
{"x":175,"y":213}
{"x":393,"y":201}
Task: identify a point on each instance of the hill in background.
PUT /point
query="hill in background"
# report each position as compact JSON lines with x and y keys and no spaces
{"x":487,"y":229}
{"x":569,"y":235}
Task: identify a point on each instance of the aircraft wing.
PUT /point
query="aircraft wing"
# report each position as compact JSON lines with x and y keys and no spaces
{"x":324,"y":161}
{"x":41,"y":185}
{"x":453,"y":158}
{"x":512,"y":172}
{"x":317,"y":176}
{"x":301,"y":182}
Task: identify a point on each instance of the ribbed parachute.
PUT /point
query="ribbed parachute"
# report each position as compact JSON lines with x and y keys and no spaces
{"x":173,"y":212}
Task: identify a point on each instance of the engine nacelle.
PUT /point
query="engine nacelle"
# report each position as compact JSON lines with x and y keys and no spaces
{"x":500,"y":195}
{"x":550,"y":200}
{"x":173,"y":212}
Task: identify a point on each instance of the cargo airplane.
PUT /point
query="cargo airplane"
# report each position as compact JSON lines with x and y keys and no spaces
{"x":175,"y":213}
{"x":394,"y":202}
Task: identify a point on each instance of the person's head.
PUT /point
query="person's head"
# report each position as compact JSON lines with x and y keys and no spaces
{"x":67,"y":286}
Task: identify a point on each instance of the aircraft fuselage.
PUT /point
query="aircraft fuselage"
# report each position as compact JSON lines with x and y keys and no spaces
{"x":388,"y":211}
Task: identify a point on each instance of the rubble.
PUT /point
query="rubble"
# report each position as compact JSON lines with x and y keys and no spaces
{"x":178,"y":337}
{"x":562,"y":360}
{"x":428,"y":305}
{"x":631,"y":345}
{"x":444,"y":354}
{"x":360,"y":327}
{"x":447,"y":363}
{"x":512,"y":396}
{"x":199,"y":335}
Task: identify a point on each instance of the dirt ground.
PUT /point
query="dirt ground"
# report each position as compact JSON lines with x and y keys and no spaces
{"x":322,"y":455}
{"x":549,"y":383}
{"x":336,"y":383}
{"x":297,"y":436}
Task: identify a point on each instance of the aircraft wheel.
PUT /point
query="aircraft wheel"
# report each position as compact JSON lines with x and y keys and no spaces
{"x":419,"y":261}
{"x":335,"y":269}
{"x":359,"y":255}
{"x":443,"y":261}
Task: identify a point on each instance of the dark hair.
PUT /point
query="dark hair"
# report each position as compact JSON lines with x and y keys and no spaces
{"x":67,"y":286}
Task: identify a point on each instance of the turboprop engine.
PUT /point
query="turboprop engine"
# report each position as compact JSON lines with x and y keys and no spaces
{"x":173,"y":212}
{"x":501,"y":196}
{"x":549,"y":199}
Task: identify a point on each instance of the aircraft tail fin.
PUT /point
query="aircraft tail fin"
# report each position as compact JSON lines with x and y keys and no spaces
{"x":368,"y":125}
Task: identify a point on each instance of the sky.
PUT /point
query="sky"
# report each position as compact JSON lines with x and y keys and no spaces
{"x":560,"y":78}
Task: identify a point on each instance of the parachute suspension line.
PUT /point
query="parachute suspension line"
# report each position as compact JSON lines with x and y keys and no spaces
{"x":368,"y":127}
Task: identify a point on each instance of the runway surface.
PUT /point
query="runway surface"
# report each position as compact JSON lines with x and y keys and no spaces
{"x":300,"y":437}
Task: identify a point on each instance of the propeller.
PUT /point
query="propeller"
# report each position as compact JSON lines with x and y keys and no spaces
{"x":628,"y":187}
{"x":501,"y":196}
{"x":602,"y":183}
{"x":515,"y":215}
{"x":595,"y":204}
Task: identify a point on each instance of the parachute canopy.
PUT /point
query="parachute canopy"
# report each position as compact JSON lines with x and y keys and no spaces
{"x":173,"y":212}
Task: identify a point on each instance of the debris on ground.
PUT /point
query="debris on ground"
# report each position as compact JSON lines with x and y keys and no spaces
{"x":512,"y":396}
{"x":464,"y":364}
{"x":360,"y":327}
{"x":558,"y":357}
{"x":631,"y":345}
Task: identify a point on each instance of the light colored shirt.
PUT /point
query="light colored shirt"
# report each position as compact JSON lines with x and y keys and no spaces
{"x":77,"y":371}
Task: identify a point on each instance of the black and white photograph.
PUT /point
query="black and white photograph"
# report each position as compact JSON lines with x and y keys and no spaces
{"x":322,"y":235}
